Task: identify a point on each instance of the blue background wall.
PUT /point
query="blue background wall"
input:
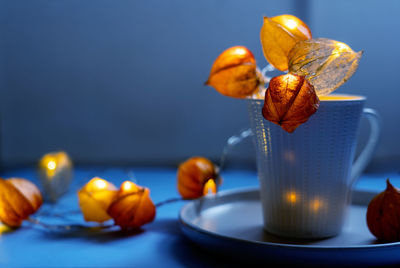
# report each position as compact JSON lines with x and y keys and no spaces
{"x":121,"y":82}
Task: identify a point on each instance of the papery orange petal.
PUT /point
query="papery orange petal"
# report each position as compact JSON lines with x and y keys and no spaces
{"x":234,"y":73}
{"x":133,"y":207}
{"x":19,"y":198}
{"x":95,"y":198}
{"x":279,"y":35}
{"x":326,"y":63}
{"x":289,"y":101}
{"x":29,"y":191}
{"x":193,"y":174}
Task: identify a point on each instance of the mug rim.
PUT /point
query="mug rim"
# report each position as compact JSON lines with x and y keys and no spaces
{"x":353,"y":98}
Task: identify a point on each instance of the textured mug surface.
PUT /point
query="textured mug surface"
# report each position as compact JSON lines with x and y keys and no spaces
{"x":305,"y":176}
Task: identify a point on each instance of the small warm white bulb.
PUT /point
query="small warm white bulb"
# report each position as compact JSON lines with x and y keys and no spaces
{"x":51,"y":165}
{"x":100,"y":184}
{"x":291,"y":24}
{"x":127,"y":185}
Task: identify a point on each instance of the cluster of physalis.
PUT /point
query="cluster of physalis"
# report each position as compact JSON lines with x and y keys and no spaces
{"x":316,"y":67}
{"x":129,"y":206}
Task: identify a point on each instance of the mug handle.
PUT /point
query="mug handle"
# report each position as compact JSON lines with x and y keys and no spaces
{"x":366,"y":154}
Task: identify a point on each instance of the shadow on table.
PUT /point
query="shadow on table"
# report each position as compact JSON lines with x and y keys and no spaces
{"x":192,"y":255}
{"x":166,"y":226}
{"x":96,"y":235}
{"x":189,"y":254}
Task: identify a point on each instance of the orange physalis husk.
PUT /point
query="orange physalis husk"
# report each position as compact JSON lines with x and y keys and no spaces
{"x":234,"y":73}
{"x":326,"y":63}
{"x":383,"y":214}
{"x":196,"y":177}
{"x":279,"y":35}
{"x":289,"y":101}
{"x":95,"y":198}
{"x":19,"y":198}
{"x":133,"y":207}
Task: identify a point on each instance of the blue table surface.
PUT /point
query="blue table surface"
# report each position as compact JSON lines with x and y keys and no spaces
{"x":158,"y":244}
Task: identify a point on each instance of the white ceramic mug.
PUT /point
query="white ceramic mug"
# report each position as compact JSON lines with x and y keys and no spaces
{"x":306,"y":176}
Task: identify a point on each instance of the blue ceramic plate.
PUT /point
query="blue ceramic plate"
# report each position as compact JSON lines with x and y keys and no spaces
{"x":231,"y":223}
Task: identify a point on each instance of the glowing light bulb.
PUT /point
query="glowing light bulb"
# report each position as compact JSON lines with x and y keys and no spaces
{"x":100,"y":184}
{"x":51,"y":165}
{"x":127,"y":186}
{"x":210,"y":187}
{"x":291,"y":197}
{"x":291,"y":78}
{"x":316,"y":204}
{"x":341,"y":46}
{"x":240,"y":51}
{"x":4,"y":229}
{"x":291,"y":24}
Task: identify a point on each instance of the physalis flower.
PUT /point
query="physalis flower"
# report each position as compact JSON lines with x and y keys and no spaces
{"x":132,"y":206}
{"x":234,"y":73}
{"x":95,"y":198}
{"x":289,"y":101}
{"x":19,"y":198}
{"x":197,"y":176}
{"x":326,"y":63}
{"x":279,"y":35}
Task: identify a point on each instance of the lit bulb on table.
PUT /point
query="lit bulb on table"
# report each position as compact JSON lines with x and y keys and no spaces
{"x":95,"y":198}
{"x":132,"y":206}
{"x":55,"y":174}
{"x":210,"y":187}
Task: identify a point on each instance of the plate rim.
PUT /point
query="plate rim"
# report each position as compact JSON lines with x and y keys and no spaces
{"x":202,"y":231}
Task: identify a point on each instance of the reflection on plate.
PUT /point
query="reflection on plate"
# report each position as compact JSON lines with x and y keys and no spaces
{"x":231,"y":223}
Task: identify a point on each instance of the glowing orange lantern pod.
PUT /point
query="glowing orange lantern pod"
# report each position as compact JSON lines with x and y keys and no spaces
{"x":234,"y":73}
{"x":289,"y":101}
{"x":19,"y":198}
{"x":132,"y":207}
{"x":326,"y":63}
{"x":196,"y":176}
{"x":279,"y":35}
{"x":55,"y":174}
{"x":293,"y":26}
{"x":95,"y":198}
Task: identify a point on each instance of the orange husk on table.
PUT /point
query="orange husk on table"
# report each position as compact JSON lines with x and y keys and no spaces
{"x":234,"y":73}
{"x":132,"y":207}
{"x":19,"y":198}
{"x":383,"y":214}
{"x":196,"y":177}
{"x":289,"y":101}
{"x":279,"y":35}
{"x":95,"y":198}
